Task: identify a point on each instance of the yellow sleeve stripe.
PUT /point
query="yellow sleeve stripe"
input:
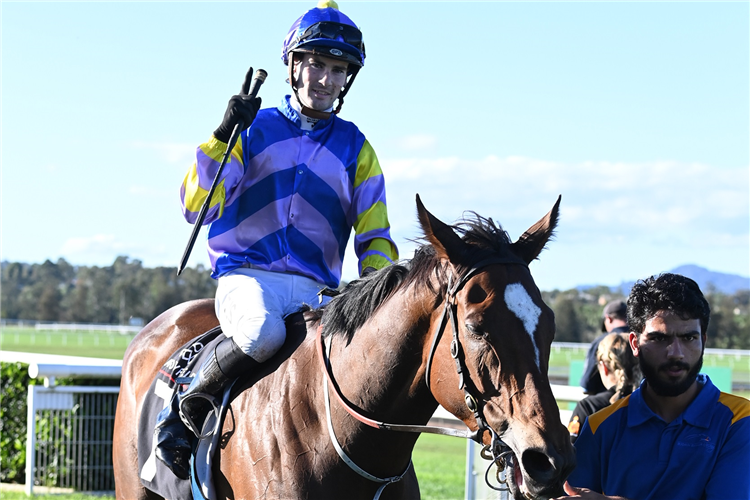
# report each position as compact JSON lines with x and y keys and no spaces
{"x":195,"y":195}
{"x":383,"y":246}
{"x":215,"y":149}
{"x":375,"y":217}
{"x":740,"y":406}
{"x":597,"y":418}
{"x":375,"y":261}
{"x":367,"y":164}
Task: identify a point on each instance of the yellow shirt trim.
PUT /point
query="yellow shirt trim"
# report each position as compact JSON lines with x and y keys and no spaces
{"x":740,"y":406}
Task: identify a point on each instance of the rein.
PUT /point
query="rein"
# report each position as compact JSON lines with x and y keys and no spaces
{"x":324,"y":357}
{"x":501,"y":453}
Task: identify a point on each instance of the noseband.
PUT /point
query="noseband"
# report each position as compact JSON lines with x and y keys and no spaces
{"x":499,"y":452}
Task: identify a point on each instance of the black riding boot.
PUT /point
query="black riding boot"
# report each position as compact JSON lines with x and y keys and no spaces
{"x":173,"y":439}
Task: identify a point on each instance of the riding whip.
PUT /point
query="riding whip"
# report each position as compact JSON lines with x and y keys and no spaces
{"x":251,"y":91}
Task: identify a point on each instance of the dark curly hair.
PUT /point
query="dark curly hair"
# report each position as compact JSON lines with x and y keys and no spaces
{"x":666,"y":292}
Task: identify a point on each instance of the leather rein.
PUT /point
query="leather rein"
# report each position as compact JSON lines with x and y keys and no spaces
{"x":497,"y":451}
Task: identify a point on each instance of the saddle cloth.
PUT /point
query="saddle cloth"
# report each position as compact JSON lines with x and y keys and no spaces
{"x":153,"y":473}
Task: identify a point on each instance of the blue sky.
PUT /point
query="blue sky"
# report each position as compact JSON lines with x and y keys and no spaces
{"x":636,"y":112}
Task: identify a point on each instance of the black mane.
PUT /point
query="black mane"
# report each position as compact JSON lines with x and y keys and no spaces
{"x":359,"y":299}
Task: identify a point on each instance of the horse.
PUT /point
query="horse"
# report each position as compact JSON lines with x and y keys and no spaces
{"x":461,"y":324}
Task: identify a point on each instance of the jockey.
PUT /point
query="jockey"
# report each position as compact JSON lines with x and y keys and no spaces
{"x":299,"y":179}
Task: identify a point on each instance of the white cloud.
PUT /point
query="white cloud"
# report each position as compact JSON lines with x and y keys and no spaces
{"x":661,"y":200}
{"x":649,"y":217}
{"x":417,"y":142}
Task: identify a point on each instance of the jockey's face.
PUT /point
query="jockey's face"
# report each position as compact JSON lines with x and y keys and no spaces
{"x":319,"y":79}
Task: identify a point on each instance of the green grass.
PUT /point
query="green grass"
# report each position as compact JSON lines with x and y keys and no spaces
{"x":90,"y":344}
{"x":440,"y":463}
{"x":739,"y":365}
{"x":20,"y":495}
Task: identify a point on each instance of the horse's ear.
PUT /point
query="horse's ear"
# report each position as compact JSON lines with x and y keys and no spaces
{"x":532,"y":242}
{"x":442,"y":237}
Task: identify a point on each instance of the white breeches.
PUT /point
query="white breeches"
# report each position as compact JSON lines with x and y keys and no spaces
{"x":251,"y":305}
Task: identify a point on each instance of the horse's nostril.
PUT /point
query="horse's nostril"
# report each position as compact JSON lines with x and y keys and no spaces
{"x":536,"y":464}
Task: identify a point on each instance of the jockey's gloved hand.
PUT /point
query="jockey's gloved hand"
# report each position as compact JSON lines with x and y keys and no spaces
{"x":241,"y":109}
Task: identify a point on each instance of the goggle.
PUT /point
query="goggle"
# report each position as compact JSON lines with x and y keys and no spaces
{"x":333,"y":31}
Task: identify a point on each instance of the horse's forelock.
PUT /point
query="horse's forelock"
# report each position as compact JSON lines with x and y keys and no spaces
{"x":483,"y":233}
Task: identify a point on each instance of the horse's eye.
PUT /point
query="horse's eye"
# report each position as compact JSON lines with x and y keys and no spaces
{"x":475,"y":330}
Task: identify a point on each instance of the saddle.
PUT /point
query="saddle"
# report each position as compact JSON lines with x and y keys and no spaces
{"x":177,"y":372}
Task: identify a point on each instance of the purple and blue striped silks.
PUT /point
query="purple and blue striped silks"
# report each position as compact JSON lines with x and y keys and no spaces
{"x":288,"y":198}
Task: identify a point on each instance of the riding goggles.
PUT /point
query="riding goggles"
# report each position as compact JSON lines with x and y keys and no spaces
{"x":332,"y":31}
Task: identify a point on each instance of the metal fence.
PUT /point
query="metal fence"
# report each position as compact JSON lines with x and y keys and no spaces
{"x":55,"y":326}
{"x":70,"y":430}
{"x":69,"y":437}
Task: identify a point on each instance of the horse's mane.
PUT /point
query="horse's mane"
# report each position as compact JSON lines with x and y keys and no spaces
{"x":347,"y":312}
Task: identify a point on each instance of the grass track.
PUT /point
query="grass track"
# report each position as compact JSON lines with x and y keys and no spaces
{"x":90,"y":344}
{"x":440,"y":463}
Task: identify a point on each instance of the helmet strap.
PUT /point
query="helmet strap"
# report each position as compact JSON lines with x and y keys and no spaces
{"x":345,"y":90}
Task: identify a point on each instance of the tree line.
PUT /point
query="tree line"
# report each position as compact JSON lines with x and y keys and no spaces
{"x":59,"y":291}
{"x":578,"y":315}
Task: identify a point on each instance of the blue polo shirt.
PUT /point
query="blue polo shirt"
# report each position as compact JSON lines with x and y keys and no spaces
{"x":704,"y":454}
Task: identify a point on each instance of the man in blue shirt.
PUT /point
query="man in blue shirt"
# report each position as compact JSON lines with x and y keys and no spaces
{"x":677,"y":436}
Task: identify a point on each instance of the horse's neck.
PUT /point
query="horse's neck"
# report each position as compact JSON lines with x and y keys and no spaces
{"x":381,"y":369}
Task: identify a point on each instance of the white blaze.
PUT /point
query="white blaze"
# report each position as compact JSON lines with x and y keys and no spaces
{"x":519,"y":302}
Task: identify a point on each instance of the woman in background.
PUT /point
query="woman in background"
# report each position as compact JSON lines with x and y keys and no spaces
{"x":620,"y":374}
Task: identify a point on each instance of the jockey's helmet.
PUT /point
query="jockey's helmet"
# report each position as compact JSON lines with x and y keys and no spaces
{"x":326,"y":31}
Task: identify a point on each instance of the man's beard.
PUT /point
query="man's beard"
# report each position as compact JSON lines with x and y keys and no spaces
{"x":665,"y":387}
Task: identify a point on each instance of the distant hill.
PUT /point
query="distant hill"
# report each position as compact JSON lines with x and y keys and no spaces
{"x":707,"y":280}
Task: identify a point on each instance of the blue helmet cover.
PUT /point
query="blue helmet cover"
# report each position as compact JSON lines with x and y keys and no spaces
{"x":321,"y":15}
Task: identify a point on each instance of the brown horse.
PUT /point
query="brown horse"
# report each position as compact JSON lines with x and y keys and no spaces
{"x":462,"y":324}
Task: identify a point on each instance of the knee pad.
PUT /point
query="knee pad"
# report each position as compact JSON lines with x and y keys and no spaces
{"x":271,"y":338}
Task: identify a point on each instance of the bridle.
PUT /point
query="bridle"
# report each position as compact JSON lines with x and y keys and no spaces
{"x":497,"y":451}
